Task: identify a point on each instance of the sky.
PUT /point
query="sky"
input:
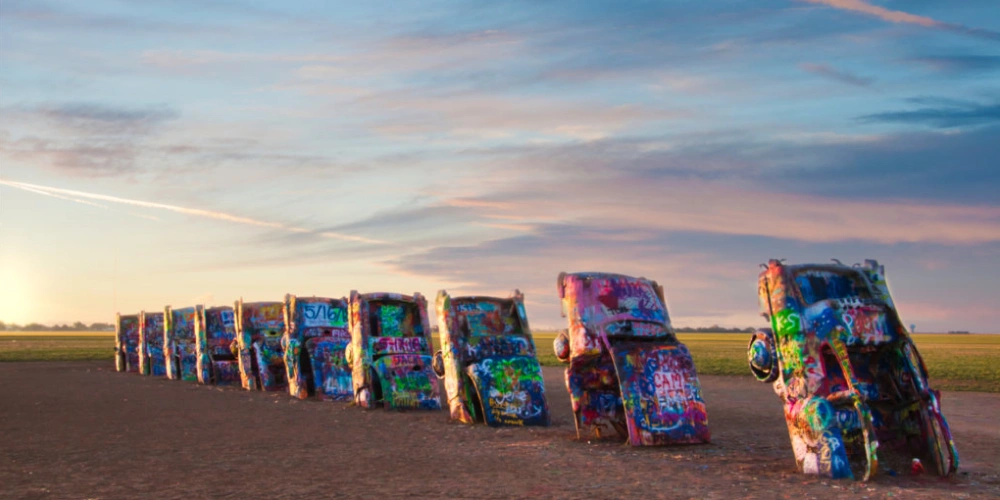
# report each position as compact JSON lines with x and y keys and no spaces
{"x":180,"y":152}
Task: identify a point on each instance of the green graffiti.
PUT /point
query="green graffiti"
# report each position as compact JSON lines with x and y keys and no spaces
{"x":508,"y":374}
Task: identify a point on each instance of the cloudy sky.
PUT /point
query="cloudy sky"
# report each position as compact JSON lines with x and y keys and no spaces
{"x":187,"y":152}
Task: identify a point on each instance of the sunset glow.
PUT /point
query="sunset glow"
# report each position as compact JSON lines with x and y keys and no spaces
{"x":157,"y":153}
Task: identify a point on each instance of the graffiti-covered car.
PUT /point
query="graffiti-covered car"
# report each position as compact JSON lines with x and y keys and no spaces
{"x":854,"y":387}
{"x":488,"y":361}
{"x":259,"y":326}
{"x":151,"y":359}
{"x":127,"y":343}
{"x":628,"y":374}
{"x":316,"y":336}
{"x":179,"y":344}
{"x":390,"y":352}
{"x":215,"y":333}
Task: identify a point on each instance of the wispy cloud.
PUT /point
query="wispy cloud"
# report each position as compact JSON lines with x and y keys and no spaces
{"x":92,"y":160}
{"x":95,"y":119}
{"x":947,"y":113}
{"x":81,"y":197}
{"x":957,"y":63}
{"x":898,"y":16}
{"x":828,"y":71}
{"x":81,"y":138}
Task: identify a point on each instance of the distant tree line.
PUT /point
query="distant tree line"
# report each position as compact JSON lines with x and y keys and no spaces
{"x":79,"y":326}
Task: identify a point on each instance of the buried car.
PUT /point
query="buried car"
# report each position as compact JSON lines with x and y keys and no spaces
{"x":390,"y":352}
{"x":259,"y":326}
{"x":627,"y":371}
{"x":127,"y":343}
{"x":316,"y":335}
{"x":151,"y":360}
{"x":854,"y":387}
{"x":488,"y":361}
{"x":215,"y":332}
{"x":179,"y":351}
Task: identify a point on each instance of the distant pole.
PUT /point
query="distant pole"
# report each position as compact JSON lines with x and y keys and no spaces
{"x":116,"y":282}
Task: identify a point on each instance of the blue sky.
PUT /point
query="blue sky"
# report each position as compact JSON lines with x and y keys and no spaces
{"x":175,"y":153}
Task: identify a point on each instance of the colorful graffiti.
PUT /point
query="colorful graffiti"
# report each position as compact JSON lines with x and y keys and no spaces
{"x":127,"y":343}
{"x":389,"y":353}
{"x":259,"y":327}
{"x":315,"y":339}
{"x":488,"y":361}
{"x":215,"y":331}
{"x":151,"y":357}
{"x":854,"y":388}
{"x":407,"y":381}
{"x":179,"y":344}
{"x":628,"y":374}
{"x":660,"y":394}
{"x":511,"y":390}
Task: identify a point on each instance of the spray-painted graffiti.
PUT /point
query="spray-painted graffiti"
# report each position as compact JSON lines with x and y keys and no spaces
{"x":407,"y":381}
{"x":488,"y":361}
{"x":179,"y":344}
{"x":151,"y":359}
{"x":215,"y":330}
{"x":389,"y":352}
{"x":315,"y":339}
{"x":398,"y":345}
{"x":331,"y":373}
{"x":127,"y":343}
{"x":660,"y":394}
{"x":854,"y":388}
{"x":511,"y":390}
{"x":259,"y":327}
{"x":324,"y":314}
{"x":628,"y":374}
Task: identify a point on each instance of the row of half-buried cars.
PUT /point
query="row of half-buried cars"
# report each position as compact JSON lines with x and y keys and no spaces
{"x":854,"y":387}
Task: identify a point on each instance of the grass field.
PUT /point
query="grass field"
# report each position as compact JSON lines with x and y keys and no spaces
{"x":955,"y":362}
{"x":57,"y":346}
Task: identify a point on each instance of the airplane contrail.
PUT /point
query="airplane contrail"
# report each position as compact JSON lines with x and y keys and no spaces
{"x":72,"y":195}
{"x":46,"y":193}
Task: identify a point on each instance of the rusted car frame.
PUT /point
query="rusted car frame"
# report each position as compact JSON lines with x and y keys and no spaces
{"x":127,"y":342}
{"x":390,"y":352}
{"x":628,"y":374}
{"x":489,"y":362}
{"x":316,"y":335}
{"x":259,"y":327}
{"x":179,"y":344}
{"x":151,"y":357}
{"x":215,"y":332}
{"x":855,"y":389}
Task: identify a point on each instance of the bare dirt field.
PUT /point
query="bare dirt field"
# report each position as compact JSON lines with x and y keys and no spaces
{"x":80,"y":430}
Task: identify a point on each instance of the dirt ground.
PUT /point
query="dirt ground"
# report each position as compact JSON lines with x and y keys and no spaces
{"x":80,"y":430}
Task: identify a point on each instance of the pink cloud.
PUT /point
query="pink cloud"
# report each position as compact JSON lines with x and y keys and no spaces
{"x":692,"y":205}
{"x":900,"y":17}
{"x":893,"y":16}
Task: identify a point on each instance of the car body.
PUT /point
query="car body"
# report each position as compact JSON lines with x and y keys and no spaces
{"x":151,"y":359}
{"x":854,"y":386}
{"x":259,"y":326}
{"x":316,"y":335}
{"x":390,"y":352}
{"x":628,"y":374}
{"x":215,"y":334}
{"x":179,"y":344}
{"x":488,"y":361}
{"x":127,"y":343}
